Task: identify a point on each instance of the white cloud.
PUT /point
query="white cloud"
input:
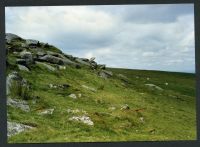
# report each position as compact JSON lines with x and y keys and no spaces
{"x":163,"y":41}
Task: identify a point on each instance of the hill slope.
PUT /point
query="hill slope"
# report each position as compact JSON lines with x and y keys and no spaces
{"x":55,"y":97}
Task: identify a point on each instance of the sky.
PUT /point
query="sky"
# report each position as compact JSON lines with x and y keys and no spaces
{"x":150,"y":37}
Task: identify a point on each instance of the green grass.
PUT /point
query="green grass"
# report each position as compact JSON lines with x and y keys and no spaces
{"x":168,"y":115}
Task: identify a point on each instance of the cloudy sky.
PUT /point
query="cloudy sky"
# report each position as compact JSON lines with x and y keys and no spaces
{"x":153,"y":37}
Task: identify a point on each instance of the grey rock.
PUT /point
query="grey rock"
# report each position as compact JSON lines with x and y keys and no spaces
{"x":46,"y":112}
{"x":103,"y":66}
{"x":56,"y":60}
{"x":123,"y":77}
{"x":16,"y":103}
{"x":23,"y":68}
{"x":154,"y":86}
{"x":49,"y":67}
{"x":84,"y":119}
{"x":108,"y":72}
{"x":73,"y":96}
{"x":69,"y":56}
{"x":105,"y":74}
{"x":31,"y":42}
{"x":10,"y":37}
{"x":14,"y":128}
{"x":40,"y":53}
{"x":51,"y":59}
{"x":83,"y":61}
{"x":14,"y":76}
{"x":27,"y":56}
{"x":56,"y":54}
{"x":125,"y":107}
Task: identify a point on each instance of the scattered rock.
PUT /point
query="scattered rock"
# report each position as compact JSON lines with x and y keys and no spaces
{"x":84,"y":119}
{"x":105,"y":74}
{"x":32,"y":43}
{"x":14,"y":77}
{"x":62,"y":86}
{"x":73,"y":96}
{"x":16,"y":128}
{"x":49,"y":67}
{"x":56,"y":60}
{"x":51,"y":59}
{"x":123,"y":77}
{"x":89,"y":88}
{"x":16,"y":103}
{"x":52,"y":86}
{"x":69,"y":56}
{"x":148,"y":79}
{"x":23,"y":68}
{"x":154,"y":86}
{"x":56,"y":54}
{"x":166,"y":84}
{"x":83,"y":61}
{"x":27,"y":56}
{"x":125,"y":107}
{"x":40,"y":53}
{"x":46,"y":112}
{"x":103,"y":66}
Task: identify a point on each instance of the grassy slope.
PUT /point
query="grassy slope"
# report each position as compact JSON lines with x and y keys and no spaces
{"x":168,"y":115}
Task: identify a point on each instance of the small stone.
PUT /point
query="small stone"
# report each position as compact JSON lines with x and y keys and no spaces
{"x":84,"y":119}
{"x":23,"y":68}
{"x":49,"y":67}
{"x":166,"y":84}
{"x":73,"y":96}
{"x":16,"y":128}
{"x":47,"y":111}
{"x":79,"y":95}
{"x":125,"y":107}
{"x":16,"y":103}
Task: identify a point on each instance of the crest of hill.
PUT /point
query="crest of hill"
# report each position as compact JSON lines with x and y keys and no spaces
{"x":29,"y":51}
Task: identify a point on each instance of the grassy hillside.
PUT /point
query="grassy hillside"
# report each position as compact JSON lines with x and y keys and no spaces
{"x":121,"y":108}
